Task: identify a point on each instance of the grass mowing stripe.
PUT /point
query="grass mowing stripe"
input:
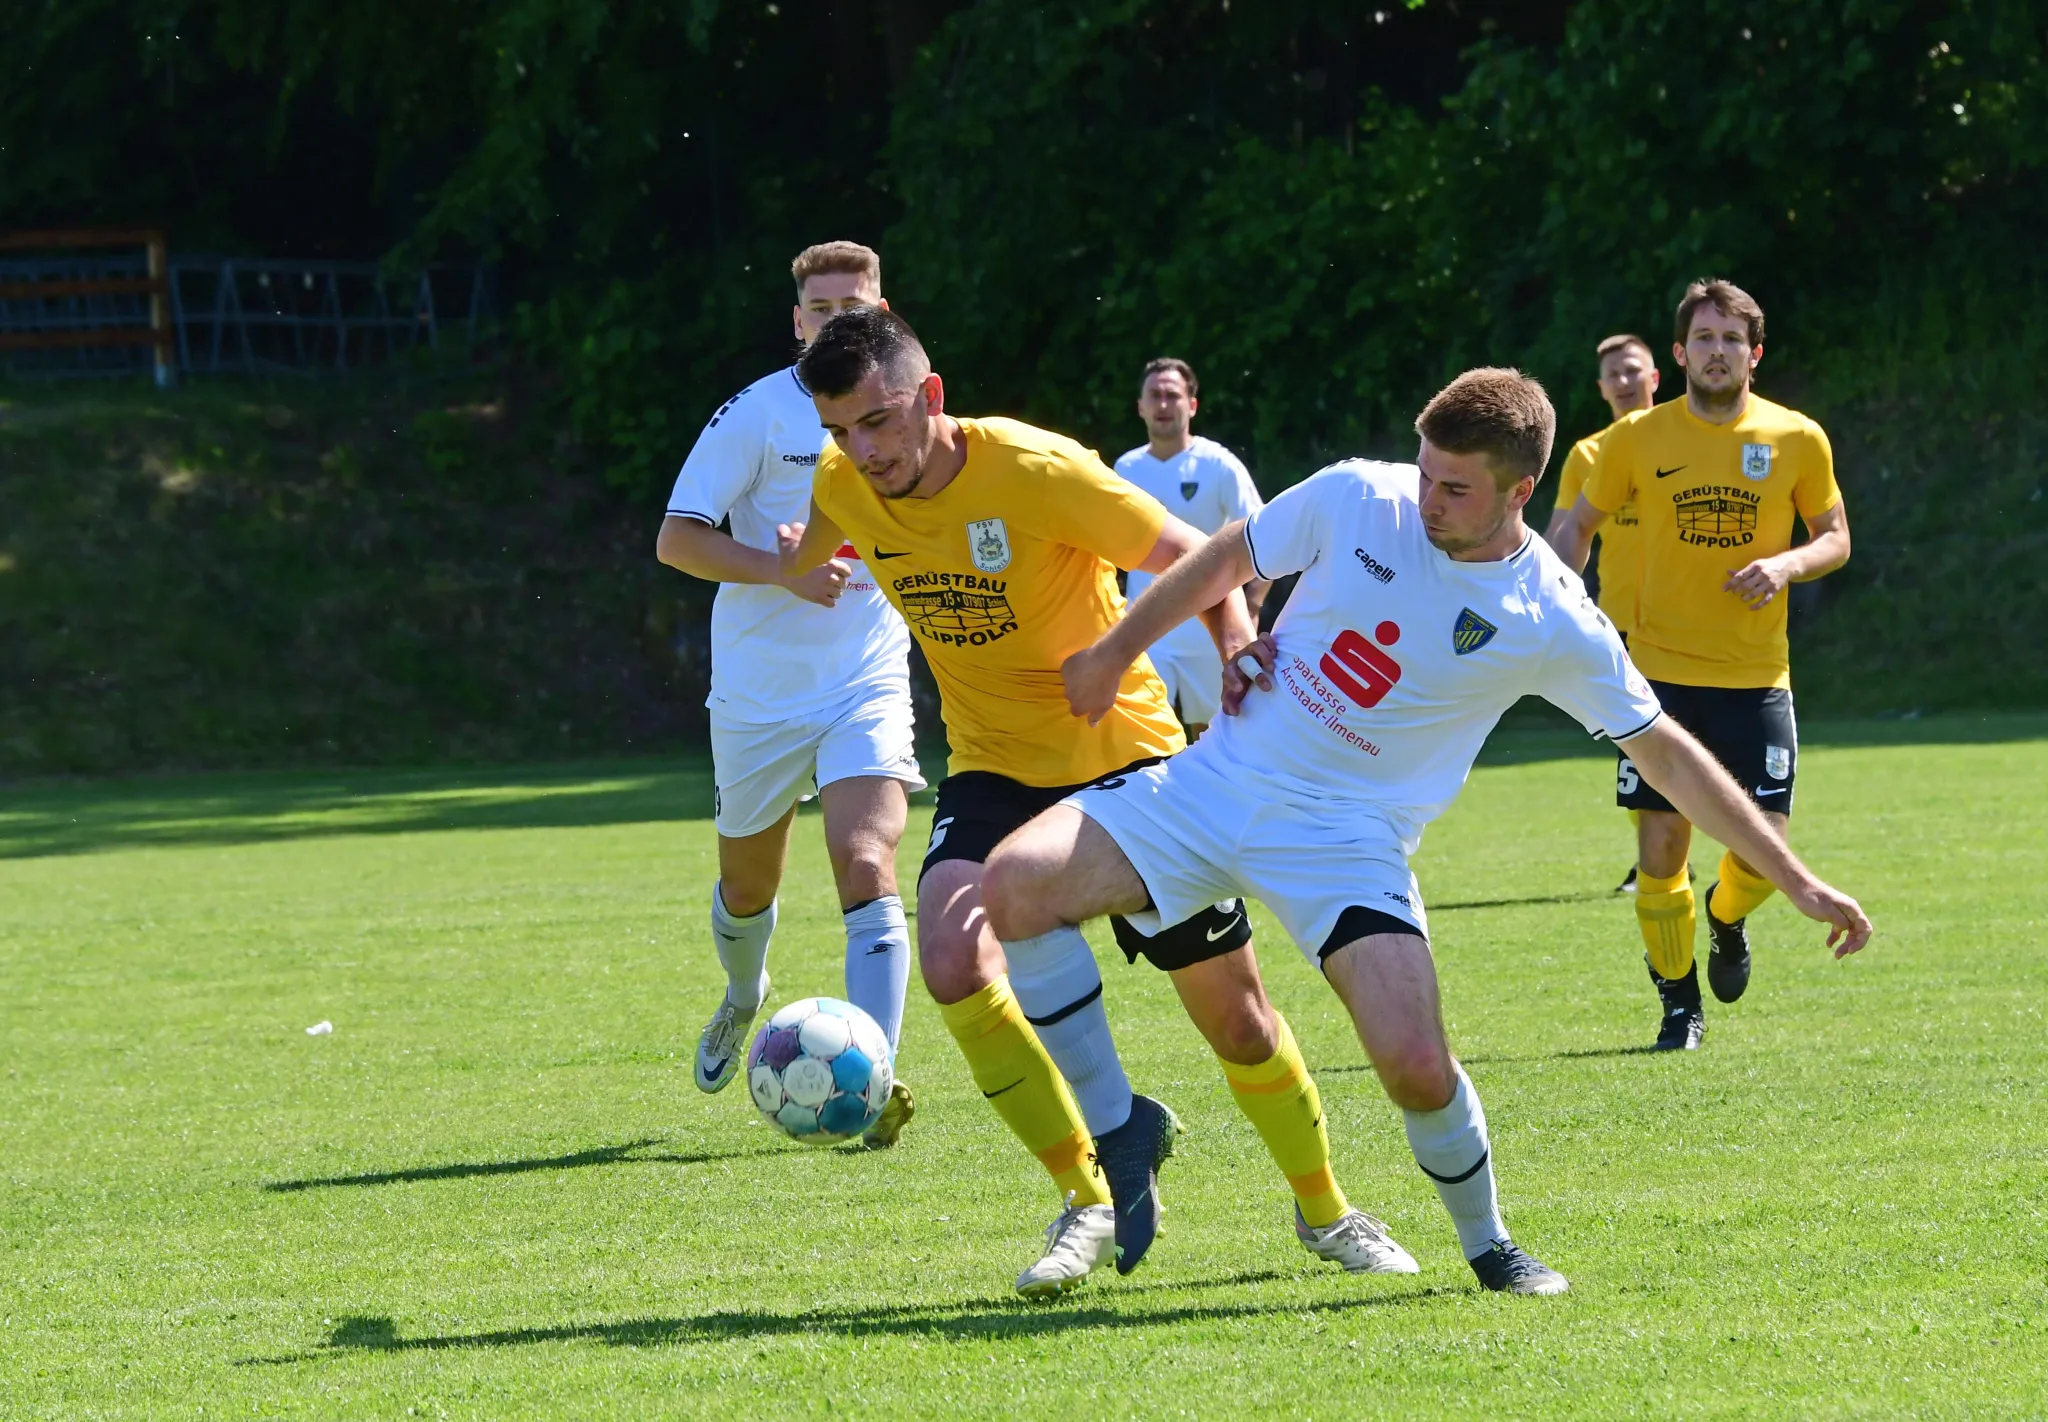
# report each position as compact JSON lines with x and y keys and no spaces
{"x":493,"y":1189}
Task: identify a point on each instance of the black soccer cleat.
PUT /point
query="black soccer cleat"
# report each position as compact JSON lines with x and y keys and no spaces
{"x":1685,"y":1018}
{"x":1628,"y":882}
{"x":1506,"y":1269}
{"x":1728,"y":955}
{"x":1130,"y":1157}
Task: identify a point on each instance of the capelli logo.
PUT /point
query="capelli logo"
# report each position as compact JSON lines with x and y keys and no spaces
{"x":1373,"y":565}
{"x":811,"y":458}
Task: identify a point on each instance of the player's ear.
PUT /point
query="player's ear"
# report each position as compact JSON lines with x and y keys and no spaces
{"x":934,"y":391}
{"x":1756,"y":357}
{"x":1522,"y":491}
{"x":1678,"y":353}
{"x":796,"y":323}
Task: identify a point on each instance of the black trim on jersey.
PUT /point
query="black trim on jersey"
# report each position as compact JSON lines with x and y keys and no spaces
{"x":1527,"y":544}
{"x":703,"y":518}
{"x":1455,"y":1179}
{"x":1631,"y":735}
{"x":1250,"y":548}
{"x":797,"y":378}
{"x":1068,"y":1011}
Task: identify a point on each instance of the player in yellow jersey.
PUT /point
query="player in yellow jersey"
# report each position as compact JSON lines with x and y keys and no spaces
{"x":999,"y":543}
{"x":1717,"y":479}
{"x":1628,"y":383}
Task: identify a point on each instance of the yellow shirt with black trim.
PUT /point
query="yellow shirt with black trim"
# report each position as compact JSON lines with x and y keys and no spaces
{"x":1710,"y":500}
{"x":1002,"y":575}
{"x":1621,"y":546}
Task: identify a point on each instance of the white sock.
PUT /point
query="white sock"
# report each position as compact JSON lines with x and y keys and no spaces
{"x":743,"y":948}
{"x":1057,"y":984}
{"x":878,"y":962}
{"x":1451,"y":1147}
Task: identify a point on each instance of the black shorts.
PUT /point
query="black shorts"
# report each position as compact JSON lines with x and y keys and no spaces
{"x":978,"y":809}
{"x":1750,"y":730}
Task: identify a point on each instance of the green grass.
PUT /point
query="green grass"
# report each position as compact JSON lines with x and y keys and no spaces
{"x":493,"y":1189}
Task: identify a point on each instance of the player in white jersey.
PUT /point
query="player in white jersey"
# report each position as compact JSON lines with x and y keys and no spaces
{"x":1425,"y":609}
{"x":1203,"y":484}
{"x":810,"y":685}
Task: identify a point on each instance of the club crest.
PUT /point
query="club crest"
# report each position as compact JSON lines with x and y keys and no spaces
{"x":1777,"y":761}
{"x":1471,"y":632}
{"x":1188,"y":490}
{"x":988,"y":543}
{"x":1756,"y":461}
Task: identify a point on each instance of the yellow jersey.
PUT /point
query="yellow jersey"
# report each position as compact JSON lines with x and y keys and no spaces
{"x":1621,"y":547}
{"x":1710,"y":500}
{"x":1002,"y":575}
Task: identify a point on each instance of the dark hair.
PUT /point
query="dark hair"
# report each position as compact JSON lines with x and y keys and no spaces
{"x":1172,"y":363}
{"x":1621,"y":343}
{"x":1502,"y":414}
{"x":1725,"y":297}
{"x":849,"y":258}
{"x":856,"y":343}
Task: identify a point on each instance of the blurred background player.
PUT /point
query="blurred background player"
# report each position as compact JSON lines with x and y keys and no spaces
{"x":1000,"y":543}
{"x":1313,"y":795}
{"x":1205,"y":485}
{"x":810,"y":685}
{"x":1716,"y":479}
{"x":1628,"y":383}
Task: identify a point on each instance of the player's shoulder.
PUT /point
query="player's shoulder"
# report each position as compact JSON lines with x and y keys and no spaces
{"x":1551,"y":585}
{"x":1131,"y":458}
{"x":1372,"y":479}
{"x":1781,"y":421}
{"x":1211,"y":451}
{"x":1031,"y":452}
{"x":765,"y":395}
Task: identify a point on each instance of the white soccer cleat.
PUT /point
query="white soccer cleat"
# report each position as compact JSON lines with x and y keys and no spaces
{"x":719,"y":1049}
{"x":1078,"y":1243}
{"x":1358,"y":1242}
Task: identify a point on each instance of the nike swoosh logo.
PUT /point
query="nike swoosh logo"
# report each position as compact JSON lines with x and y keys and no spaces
{"x":879,"y":554}
{"x":1143,"y":1195}
{"x":992,"y":1095}
{"x":878,"y":948}
{"x":1761,"y":791}
{"x":1667,"y":473}
{"x":730,"y":937}
{"x":718,"y":1068}
{"x":1215,"y":933}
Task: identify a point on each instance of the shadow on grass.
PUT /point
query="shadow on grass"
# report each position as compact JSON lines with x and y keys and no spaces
{"x":627,"y":1154}
{"x":984,"y":1319}
{"x":1585,"y":897}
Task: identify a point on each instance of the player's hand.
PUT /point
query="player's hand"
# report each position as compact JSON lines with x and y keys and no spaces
{"x":1848,"y":928}
{"x":1092,"y":678}
{"x":1236,"y":683}
{"x":822,"y":584}
{"x":1759,"y":583}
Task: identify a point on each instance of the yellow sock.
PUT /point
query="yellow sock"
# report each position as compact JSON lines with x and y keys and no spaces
{"x":1664,"y":912}
{"x":1739,"y":894}
{"x":1635,"y":817}
{"x":1010,"y":1066}
{"x":1279,"y":1097}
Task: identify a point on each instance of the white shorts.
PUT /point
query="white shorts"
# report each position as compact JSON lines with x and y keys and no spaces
{"x":1198,"y":832}
{"x":1194,"y":680}
{"x":761,"y":770}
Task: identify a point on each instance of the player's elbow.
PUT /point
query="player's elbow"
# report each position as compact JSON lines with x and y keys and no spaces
{"x":672,"y":544}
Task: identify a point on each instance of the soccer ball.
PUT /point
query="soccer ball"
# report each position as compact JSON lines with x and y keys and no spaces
{"x":820,"y":1071}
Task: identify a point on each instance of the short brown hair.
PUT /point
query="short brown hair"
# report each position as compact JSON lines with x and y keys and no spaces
{"x":1175,"y":364}
{"x":1500,"y":413}
{"x":826,"y":257}
{"x":1621,"y":343}
{"x":1725,"y":297}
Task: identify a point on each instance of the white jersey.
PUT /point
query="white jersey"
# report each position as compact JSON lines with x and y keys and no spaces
{"x":1395,"y":661}
{"x":773,"y":655}
{"x":1204,"y":485}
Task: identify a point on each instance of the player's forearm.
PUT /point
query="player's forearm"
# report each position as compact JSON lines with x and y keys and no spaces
{"x":1819,"y":555}
{"x":820,"y":540}
{"x":1681,"y":771}
{"x":1255,"y":598}
{"x":1230,"y":623}
{"x":1198,"y":583}
{"x":705,"y":552}
{"x":1572,"y":534}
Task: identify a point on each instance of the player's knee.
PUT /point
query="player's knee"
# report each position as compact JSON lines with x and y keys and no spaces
{"x":1009,"y":883}
{"x":745,"y":894}
{"x":1248,"y":1034}
{"x":1418,"y":1076}
{"x":864,"y":864}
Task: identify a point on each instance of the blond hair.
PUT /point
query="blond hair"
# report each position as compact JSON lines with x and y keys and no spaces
{"x":829,"y":257}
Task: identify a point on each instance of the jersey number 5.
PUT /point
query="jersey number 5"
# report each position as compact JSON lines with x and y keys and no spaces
{"x":1359,"y":669}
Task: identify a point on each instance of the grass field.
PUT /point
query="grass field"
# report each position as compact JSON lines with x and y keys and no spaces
{"x":492,"y":1190}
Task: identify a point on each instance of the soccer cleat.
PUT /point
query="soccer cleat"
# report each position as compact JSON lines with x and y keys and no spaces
{"x":1130,"y":1157}
{"x":1078,"y":1243}
{"x":896,"y":1114}
{"x":1628,"y":882}
{"x":1685,"y":1019}
{"x":1358,"y":1242}
{"x":1506,"y":1269}
{"x":718,"y":1050}
{"x":1727,"y":955}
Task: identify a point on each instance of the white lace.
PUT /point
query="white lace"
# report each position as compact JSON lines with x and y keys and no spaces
{"x":1358,"y":1225}
{"x":1057,"y":1233}
{"x":722,"y":1034}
